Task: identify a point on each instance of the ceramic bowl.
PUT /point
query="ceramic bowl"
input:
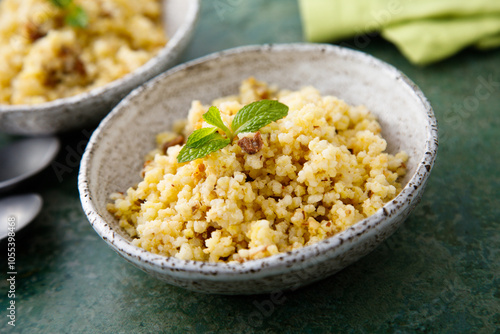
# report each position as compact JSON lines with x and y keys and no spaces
{"x":89,"y":108}
{"x":113,"y":159}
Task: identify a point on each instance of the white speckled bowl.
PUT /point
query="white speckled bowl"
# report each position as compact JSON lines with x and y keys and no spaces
{"x":113,"y":158}
{"x":88,"y":108}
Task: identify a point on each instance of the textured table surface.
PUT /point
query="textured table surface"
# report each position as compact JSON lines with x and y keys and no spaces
{"x":439,"y":273}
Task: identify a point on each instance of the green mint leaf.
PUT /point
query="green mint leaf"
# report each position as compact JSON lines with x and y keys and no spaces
{"x":200,"y":137}
{"x":61,"y":3}
{"x":188,"y":154}
{"x":212,"y":117}
{"x":250,"y":118}
{"x":256,"y":115}
{"x":77,"y":17}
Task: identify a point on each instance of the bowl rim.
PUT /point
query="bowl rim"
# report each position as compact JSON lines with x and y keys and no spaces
{"x":276,"y":263}
{"x":52,"y":106}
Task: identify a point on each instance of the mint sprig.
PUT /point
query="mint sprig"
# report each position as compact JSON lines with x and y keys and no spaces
{"x":212,"y":117}
{"x":200,"y":137}
{"x":250,"y":118}
{"x":75,"y":15}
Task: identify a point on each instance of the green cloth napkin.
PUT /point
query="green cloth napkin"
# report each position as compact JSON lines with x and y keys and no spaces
{"x":424,"y":30}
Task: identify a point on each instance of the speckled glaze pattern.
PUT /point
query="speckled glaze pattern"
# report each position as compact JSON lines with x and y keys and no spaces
{"x":89,"y":108}
{"x":113,"y":158}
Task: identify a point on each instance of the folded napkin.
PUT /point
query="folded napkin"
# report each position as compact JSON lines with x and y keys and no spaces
{"x":424,"y":30}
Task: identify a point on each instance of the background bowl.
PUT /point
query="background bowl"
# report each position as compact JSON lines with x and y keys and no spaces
{"x":114,"y":156}
{"x":179,"y":17}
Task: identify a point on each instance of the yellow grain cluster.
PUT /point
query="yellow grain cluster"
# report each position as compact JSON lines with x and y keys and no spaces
{"x":321,"y":169}
{"x":42,"y":58}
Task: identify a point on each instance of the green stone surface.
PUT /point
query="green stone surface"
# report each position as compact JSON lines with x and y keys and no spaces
{"x":439,"y":273}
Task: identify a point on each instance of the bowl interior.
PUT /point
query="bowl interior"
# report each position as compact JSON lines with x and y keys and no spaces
{"x":115,"y":155}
